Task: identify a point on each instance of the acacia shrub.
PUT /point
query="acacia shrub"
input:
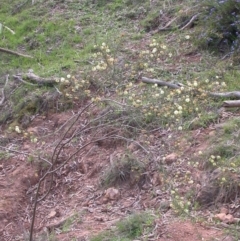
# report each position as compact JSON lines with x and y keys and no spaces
{"x":221,"y":21}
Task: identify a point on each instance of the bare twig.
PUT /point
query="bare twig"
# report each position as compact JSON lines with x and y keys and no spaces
{"x":56,"y":152}
{"x":25,"y":82}
{"x":168,"y":24}
{"x":59,"y":92}
{"x":3,"y":90}
{"x":25,"y":153}
{"x":190,"y":21}
{"x":10,"y":30}
{"x":160,"y":83}
{"x":14,"y":53}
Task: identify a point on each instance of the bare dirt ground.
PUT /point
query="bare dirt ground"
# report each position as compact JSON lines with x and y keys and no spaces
{"x":78,"y":206}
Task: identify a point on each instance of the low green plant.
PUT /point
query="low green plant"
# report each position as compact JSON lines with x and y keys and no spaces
{"x":123,"y":169}
{"x":221,"y":21}
{"x":4,"y":155}
{"x":181,"y":205}
{"x":69,"y":222}
{"x":128,"y":229}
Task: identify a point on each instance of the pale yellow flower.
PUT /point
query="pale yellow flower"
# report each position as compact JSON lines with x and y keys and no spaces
{"x":180,"y":128}
{"x":154,"y":50}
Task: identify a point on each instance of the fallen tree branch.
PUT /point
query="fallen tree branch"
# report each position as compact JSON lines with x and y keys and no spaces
{"x":167,"y":25}
{"x":228,"y":103}
{"x":233,"y":94}
{"x":231,"y":103}
{"x":160,"y":83}
{"x":18,"y":77}
{"x":190,"y":21}
{"x":3,"y":90}
{"x":14,"y":53}
{"x":39,"y":80}
{"x":10,"y":30}
{"x":34,"y":78}
{"x":182,"y":26}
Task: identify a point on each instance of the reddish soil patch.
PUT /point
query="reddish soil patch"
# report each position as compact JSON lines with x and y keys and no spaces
{"x":187,"y":231}
{"x":77,"y":206}
{"x":17,"y":176}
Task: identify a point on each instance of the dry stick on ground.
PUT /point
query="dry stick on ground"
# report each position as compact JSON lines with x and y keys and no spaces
{"x":14,"y":53}
{"x":160,"y":83}
{"x":18,"y":77}
{"x":3,"y":90}
{"x":35,"y":78}
{"x":186,"y":25}
{"x":229,"y":103}
{"x":167,"y":25}
{"x":190,"y":21}
{"x":24,"y":153}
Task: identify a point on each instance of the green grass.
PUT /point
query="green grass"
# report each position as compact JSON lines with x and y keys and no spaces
{"x":128,"y":229}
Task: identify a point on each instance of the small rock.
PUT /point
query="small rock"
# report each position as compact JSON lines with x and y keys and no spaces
{"x":226,"y":218}
{"x":156,"y":179}
{"x":52,"y":214}
{"x":100,"y":219}
{"x":212,"y":133}
{"x":112,"y":193}
{"x":169,"y":159}
{"x":220,"y":216}
{"x":33,"y":130}
{"x":132,"y":147}
{"x":223,"y":210}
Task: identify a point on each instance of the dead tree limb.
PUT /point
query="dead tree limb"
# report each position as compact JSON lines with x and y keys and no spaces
{"x":18,"y":77}
{"x":39,"y":80}
{"x":34,"y":78}
{"x":229,"y":103}
{"x":3,"y":90}
{"x":8,"y":51}
{"x":190,"y":21}
{"x":160,"y":83}
{"x":167,"y":25}
{"x":233,"y":94}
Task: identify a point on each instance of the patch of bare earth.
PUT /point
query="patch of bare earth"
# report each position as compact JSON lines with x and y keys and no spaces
{"x":78,"y":206}
{"x":188,"y":231}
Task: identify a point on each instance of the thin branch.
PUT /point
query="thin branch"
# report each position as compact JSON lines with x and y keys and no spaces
{"x":25,"y":82}
{"x":14,"y":53}
{"x":190,"y":21}
{"x":10,"y":30}
{"x":168,"y":24}
{"x":59,"y":92}
{"x":160,"y":83}
{"x":233,"y":94}
{"x":25,"y":153}
{"x":3,"y":90}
